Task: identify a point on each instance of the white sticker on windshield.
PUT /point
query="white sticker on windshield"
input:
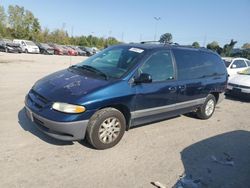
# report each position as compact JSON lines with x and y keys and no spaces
{"x":137,"y":50}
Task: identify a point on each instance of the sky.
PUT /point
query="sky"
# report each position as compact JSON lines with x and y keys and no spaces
{"x":133,"y":21}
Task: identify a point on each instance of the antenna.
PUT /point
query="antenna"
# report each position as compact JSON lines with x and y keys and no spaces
{"x":157,"y":19}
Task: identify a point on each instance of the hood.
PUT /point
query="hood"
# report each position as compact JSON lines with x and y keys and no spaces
{"x":241,"y":80}
{"x":46,"y":47}
{"x":67,"y":86}
{"x":11,"y":44}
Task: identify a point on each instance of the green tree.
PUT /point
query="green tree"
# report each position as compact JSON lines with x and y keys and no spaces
{"x":246,"y":46}
{"x":227,"y":49}
{"x":2,"y":21}
{"x":35,"y":29}
{"x":16,"y":21}
{"x":196,"y":44}
{"x":82,"y":41}
{"x":23,"y":23}
{"x":166,"y":38}
{"x":214,"y":46}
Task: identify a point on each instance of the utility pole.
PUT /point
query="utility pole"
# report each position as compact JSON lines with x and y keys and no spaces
{"x":157,"y":19}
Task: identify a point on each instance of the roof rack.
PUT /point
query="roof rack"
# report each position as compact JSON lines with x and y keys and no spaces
{"x":150,"y":42}
{"x":158,"y":42}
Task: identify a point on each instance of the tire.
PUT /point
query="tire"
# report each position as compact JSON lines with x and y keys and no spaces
{"x":101,"y":132}
{"x":207,"y":109}
{"x":26,"y":51}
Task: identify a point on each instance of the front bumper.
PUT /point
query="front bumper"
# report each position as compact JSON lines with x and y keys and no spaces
{"x":238,"y":89}
{"x":14,"y":50}
{"x":67,"y":131}
{"x":34,"y":51}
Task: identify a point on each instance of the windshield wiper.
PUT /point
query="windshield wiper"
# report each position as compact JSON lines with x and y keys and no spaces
{"x":92,"y":69}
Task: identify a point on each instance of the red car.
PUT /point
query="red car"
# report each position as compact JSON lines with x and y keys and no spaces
{"x":57,"y":49}
{"x":70,"y":51}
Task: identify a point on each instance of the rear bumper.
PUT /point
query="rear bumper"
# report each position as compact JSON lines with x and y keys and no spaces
{"x":67,"y":131}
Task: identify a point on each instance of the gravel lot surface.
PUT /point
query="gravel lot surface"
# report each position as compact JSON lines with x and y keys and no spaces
{"x":214,"y":152}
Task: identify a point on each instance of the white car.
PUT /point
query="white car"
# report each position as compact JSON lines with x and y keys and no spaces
{"x":240,"y":83}
{"x":235,"y":65}
{"x":27,"y":46}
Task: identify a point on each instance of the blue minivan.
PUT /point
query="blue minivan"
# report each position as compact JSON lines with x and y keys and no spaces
{"x":124,"y":86}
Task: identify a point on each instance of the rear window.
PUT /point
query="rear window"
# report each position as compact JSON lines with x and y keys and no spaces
{"x":195,"y":64}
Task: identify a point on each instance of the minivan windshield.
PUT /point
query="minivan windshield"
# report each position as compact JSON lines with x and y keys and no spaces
{"x":113,"y":62}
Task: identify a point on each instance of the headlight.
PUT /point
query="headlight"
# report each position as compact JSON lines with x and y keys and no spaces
{"x":68,"y":108}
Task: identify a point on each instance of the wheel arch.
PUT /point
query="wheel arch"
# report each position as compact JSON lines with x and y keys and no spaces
{"x":124,"y":110}
{"x":216,"y":95}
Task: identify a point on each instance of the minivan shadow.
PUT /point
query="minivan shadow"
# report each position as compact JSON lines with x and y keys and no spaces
{"x":27,"y":125}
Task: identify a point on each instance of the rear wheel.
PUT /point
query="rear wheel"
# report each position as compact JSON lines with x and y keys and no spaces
{"x":106,"y":128}
{"x":207,"y":109}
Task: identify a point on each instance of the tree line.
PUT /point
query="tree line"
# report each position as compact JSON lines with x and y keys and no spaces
{"x":226,"y":51}
{"x":19,"y":23}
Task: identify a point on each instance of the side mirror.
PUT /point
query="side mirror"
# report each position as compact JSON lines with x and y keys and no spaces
{"x":234,"y":66}
{"x":143,"y":78}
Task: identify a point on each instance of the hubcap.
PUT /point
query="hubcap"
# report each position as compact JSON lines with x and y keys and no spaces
{"x":209,"y":107}
{"x":109,"y":130}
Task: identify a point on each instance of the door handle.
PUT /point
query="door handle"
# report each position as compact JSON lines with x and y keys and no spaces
{"x":172,"y":89}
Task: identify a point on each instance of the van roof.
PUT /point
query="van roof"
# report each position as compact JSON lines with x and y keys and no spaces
{"x":151,"y":46}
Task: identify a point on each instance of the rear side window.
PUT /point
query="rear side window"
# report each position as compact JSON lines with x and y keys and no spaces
{"x":195,"y":64}
{"x":239,"y":64}
{"x":159,"y":66}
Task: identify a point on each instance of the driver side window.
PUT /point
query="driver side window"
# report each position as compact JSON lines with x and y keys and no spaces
{"x":159,"y":66}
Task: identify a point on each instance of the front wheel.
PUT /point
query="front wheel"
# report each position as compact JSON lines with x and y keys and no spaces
{"x":106,"y":128}
{"x":207,"y":109}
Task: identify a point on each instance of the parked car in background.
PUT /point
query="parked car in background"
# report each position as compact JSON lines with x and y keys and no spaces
{"x":240,"y":84}
{"x":125,"y":86}
{"x":58,"y":50}
{"x":70,"y":51}
{"x":235,"y":65}
{"x":7,"y":45}
{"x":89,"y":51}
{"x":45,"y":48}
{"x":95,"y":50}
{"x":27,"y":46}
{"x":79,"y":51}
